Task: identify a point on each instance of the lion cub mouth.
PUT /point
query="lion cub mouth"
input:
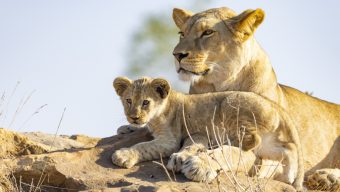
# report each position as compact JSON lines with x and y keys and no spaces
{"x":205,"y":72}
{"x":138,"y":125}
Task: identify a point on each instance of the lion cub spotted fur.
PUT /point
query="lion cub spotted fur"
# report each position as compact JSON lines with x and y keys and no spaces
{"x":264,"y":127}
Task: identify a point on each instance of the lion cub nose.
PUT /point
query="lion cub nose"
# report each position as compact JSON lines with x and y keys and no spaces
{"x":135,"y":118}
{"x":180,"y":56}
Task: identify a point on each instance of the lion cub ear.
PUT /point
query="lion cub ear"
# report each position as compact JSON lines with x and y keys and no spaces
{"x":180,"y":16}
{"x":245,"y":24}
{"x":161,"y":86}
{"x":121,"y":84}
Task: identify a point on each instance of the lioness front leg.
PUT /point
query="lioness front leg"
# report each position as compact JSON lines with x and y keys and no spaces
{"x":188,"y":149}
{"x":145,"y":151}
{"x":286,"y":153}
{"x":324,"y":179}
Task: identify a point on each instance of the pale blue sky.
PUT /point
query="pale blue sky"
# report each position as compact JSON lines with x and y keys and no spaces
{"x":70,"y":51}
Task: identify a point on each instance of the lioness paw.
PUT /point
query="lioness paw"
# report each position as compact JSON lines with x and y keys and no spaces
{"x":125,"y":129}
{"x":125,"y":157}
{"x":197,"y":168}
{"x":323,"y":180}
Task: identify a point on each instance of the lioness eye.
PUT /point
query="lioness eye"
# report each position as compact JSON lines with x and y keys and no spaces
{"x":146,"y":102}
{"x":207,"y":32}
{"x":129,"y":101}
{"x":181,"y":34}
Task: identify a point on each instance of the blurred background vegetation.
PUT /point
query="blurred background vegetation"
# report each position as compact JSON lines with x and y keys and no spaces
{"x":150,"y":49}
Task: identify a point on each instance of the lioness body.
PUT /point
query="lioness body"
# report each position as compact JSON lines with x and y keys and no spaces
{"x":220,"y":43}
{"x":318,"y":124}
{"x":248,"y":120}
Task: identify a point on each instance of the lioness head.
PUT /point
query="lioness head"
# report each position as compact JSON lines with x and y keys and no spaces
{"x":214,"y":44}
{"x":142,"y":99}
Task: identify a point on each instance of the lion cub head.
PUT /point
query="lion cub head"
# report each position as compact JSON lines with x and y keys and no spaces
{"x":214,"y":44}
{"x":143,"y":99}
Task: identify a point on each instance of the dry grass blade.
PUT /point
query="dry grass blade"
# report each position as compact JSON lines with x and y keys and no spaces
{"x":30,"y":117}
{"x":3,"y":111}
{"x":21,"y":105}
{"x":186,"y":126}
{"x":174,"y":174}
{"x":59,"y":124}
{"x":32,"y":186}
{"x":43,"y":176}
{"x":2,"y":99}
{"x":192,"y":140}
{"x":220,"y":146}
{"x":273,"y":172}
{"x":162,"y":165}
{"x":60,"y":188}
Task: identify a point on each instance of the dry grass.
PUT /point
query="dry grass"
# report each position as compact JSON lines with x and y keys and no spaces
{"x":11,"y":183}
{"x":252,"y":184}
{"x":9,"y":113}
{"x":37,"y":111}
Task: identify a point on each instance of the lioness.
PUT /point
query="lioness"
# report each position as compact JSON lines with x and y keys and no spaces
{"x":218,"y":52}
{"x":251,"y":121}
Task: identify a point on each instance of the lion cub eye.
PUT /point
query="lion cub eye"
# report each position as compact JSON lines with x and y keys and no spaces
{"x":207,"y":32}
{"x":129,"y":101}
{"x":181,"y":34}
{"x":145,"y":103}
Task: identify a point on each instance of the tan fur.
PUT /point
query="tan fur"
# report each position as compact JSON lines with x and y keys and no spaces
{"x":247,"y":119}
{"x":324,"y":179}
{"x":236,"y":62}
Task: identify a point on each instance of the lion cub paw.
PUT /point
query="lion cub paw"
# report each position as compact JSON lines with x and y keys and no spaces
{"x":176,"y":160}
{"x":125,"y":157}
{"x":197,"y":168}
{"x":324,"y":180}
{"x":125,"y":129}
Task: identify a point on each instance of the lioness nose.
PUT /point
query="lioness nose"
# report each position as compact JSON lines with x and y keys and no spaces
{"x":180,"y":56}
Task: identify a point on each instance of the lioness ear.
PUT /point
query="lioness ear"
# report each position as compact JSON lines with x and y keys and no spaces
{"x":161,"y":86}
{"x":180,"y":16}
{"x":245,"y":24}
{"x":121,"y":84}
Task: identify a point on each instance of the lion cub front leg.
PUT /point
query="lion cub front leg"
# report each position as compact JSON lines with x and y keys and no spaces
{"x":188,"y":150}
{"x":205,"y":166}
{"x":145,"y":151}
{"x":125,"y":129}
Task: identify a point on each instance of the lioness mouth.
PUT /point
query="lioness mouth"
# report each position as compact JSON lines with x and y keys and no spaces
{"x":195,"y":73}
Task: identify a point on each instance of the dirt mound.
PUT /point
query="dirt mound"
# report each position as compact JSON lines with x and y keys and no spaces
{"x":90,"y":169}
{"x":14,"y":144}
{"x":61,"y":142}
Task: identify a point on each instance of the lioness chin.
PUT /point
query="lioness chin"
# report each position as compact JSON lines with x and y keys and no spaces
{"x":172,"y":116}
{"x":217,"y":52}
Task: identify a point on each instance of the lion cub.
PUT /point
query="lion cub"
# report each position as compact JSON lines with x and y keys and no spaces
{"x":246,"y":119}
